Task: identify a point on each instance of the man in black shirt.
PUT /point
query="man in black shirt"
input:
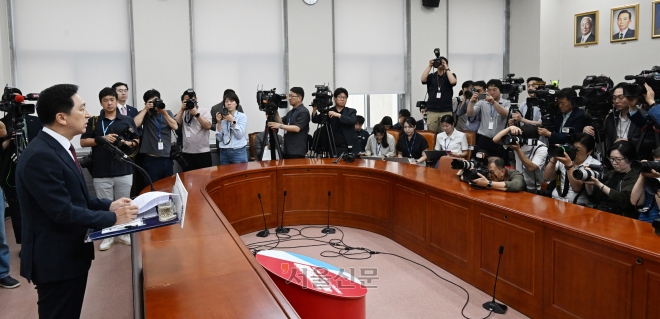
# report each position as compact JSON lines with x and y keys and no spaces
{"x":112,"y":178}
{"x":363,"y":135}
{"x":403,"y":115}
{"x":440,"y":88}
{"x":295,"y":125}
{"x":342,"y":120}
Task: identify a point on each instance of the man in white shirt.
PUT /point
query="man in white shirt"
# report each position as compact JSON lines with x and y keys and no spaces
{"x":195,"y":132}
{"x":530,"y":159}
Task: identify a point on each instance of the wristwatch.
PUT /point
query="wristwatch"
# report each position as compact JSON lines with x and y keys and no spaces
{"x":234,"y":122}
{"x":198,"y":114}
{"x":490,"y":184}
{"x":281,"y":126}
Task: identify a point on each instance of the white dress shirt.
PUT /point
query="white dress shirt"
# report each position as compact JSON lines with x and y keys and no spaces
{"x":60,"y":139}
{"x":456,"y":143}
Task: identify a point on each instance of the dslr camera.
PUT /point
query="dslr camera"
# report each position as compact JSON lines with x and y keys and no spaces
{"x":268,"y":101}
{"x":323,"y":101}
{"x":568,"y":148}
{"x":530,"y":136}
{"x":437,"y":62}
{"x":472,"y":168}
{"x":158,"y":104}
{"x":124,"y":136}
{"x":595,"y":170}
{"x":645,"y":167}
{"x":176,"y":155}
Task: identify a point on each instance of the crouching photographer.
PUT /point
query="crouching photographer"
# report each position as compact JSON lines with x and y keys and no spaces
{"x":611,"y":193}
{"x":646,"y":192}
{"x":529,"y":152}
{"x":565,"y":159}
{"x":499,"y":177}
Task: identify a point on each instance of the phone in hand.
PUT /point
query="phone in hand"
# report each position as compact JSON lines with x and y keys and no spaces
{"x":482,"y":96}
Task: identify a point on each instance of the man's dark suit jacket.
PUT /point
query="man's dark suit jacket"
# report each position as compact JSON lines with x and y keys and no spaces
{"x":629,"y":34}
{"x":346,"y":126}
{"x":130,"y":111}
{"x":590,"y":38}
{"x":420,"y":125}
{"x":57,"y":211}
{"x":575,"y":120}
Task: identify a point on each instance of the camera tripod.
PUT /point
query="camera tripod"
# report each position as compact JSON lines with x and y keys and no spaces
{"x":270,"y":135}
{"x":332,"y":149}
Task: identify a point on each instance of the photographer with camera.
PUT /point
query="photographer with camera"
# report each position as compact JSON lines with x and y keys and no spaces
{"x":196,"y":123}
{"x":525,"y":116}
{"x":112,"y":178}
{"x":452,"y":141}
{"x":570,"y":116}
{"x":500,"y":178}
{"x":411,"y":144}
{"x":156,"y":143}
{"x":645,"y":195}
{"x":492,"y":111}
{"x":627,"y":120}
{"x":6,"y":281}
{"x":440,"y":89}
{"x":461,"y":100}
{"x":561,"y":166}
{"x":217,"y":109}
{"x":613,"y":196}
{"x":230,"y":132}
{"x":342,"y":120}
{"x":470,"y":123}
{"x":530,"y":159}
{"x":296,"y":127}
{"x":380,"y":143}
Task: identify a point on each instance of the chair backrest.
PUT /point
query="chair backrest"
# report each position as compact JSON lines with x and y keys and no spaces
{"x":444,"y":164}
{"x":430,"y":137}
{"x":395,"y":133}
{"x":252,"y":137}
{"x":472,"y":141}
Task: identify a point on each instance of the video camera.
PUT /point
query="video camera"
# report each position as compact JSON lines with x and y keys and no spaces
{"x":512,"y":87}
{"x":595,"y":95}
{"x":437,"y":62}
{"x":546,"y":100}
{"x":322,"y":101}
{"x":595,"y":170}
{"x":568,"y":148}
{"x":650,"y":77}
{"x":472,"y":168}
{"x":12,"y":103}
{"x":270,"y":101}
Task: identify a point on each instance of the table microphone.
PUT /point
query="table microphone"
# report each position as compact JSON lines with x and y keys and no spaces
{"x":265,"y":232}
{"x":327,"y":229}
{"x":281,"y":229}
{"x":492,"y":305}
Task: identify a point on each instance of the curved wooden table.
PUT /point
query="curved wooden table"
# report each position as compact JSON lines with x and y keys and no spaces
{"x":560,"y":260}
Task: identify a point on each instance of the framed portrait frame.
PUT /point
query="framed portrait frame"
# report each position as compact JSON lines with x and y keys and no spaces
{"x":655,"y":26}
{"x":592,"y":18}
{"x":631,"y":25}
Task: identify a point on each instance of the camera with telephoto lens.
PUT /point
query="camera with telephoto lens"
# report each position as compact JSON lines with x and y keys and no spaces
{"x":158,"y":104}
{"x":322,"y":101}
{"x":568,"y":148}
{"x":190,"y":104}
{"x":530,"y":136}
{"x":176,"y":154}
{"x":596,"y":171}
{"x":468,"y":94}
{"x":270,"y":101}
{"x":645,"y":167}
{"x":472,"y":168}
{"x":437,"y":62}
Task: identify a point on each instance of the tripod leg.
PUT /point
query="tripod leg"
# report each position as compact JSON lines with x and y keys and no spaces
{"x":331,"y":141}
{"x":260,"y":156}
{"x":275,"y":145}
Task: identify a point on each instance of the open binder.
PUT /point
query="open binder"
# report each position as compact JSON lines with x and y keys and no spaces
{"x":148,"y":213}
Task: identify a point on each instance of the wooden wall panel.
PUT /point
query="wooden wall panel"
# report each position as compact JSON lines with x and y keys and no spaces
{"x":307,"y":192}
{"x":410,"y":211}
{"x":366,"y":196}
{"x":450,"y":230}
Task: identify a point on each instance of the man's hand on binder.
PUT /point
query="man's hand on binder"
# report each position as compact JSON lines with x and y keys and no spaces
{"x":126,"y":214}
{"x":119,"y":204}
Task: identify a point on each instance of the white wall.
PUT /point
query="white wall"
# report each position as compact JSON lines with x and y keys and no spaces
{"x":525,"y":47}
{"x":560,"y":59}
{"x":5,"y":63}
{"x":428,"y":31}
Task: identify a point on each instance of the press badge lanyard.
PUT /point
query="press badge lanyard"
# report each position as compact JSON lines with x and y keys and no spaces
{"x":377,"y":148}
{"x":439,"y":93}
{"x":228,"y":133}
{"x":491,"y":124}
{"x":410,"y":148}
{"x":292,"y":115}
{"x":447,"y":140}
{"x":159,"y":123}
{"x":105,"y":129}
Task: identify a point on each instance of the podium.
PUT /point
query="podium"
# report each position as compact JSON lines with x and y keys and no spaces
{"x":315,"y":289}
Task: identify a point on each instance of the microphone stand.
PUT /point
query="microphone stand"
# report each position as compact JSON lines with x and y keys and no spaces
{"x":128,"y":160}
{"x":493,"y":305}
{"x":282,"y":229}
{"x":328,"y":229}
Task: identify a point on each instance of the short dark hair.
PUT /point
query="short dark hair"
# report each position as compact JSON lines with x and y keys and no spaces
{"x":496,"y":83}
{"x":586,"y":140}
{"x":386,"y":121}
{"x":411,"y":121}
{"x":625,"y":11}
{"x":150,"y":94}
{"x":118,"y":84}
{"x":656,"y":152}
{"x":567,"y":93}
{"x":55,"y":99}
{"x":498,"y":161}
{"x":467,"y":84}
{"x":443,"y":58}
{"x":404,"y":113}
{"x":107,"y":91}
{"x":626,"y":149}
{"x":298,"y":90}
{"x":479,"y":84}
{"x":227,"y":91}
{"x":232,"y":97}
{"x":340,"y":91}
{"x":360,"y":119}
{"x":190,"y":93}
{"x":449,"y":119}
{"x":534,"y":78}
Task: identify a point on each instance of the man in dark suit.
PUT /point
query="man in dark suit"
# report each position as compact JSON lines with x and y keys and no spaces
{"x":122,"y":97}
{"x":56,"y":208}
{"x":586,"y":28}
{"x":623,"y":22}
{"x":570,"y":117}
{"x":342,"y":119}
{"x":421,"y":124}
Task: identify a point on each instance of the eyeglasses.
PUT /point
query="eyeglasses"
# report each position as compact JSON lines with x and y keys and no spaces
{"x":341,"y":97}
{"x":122,"y":91}
{"x":618,"y":97}
{"x":293,"y":96}
{"x":617,"y":160}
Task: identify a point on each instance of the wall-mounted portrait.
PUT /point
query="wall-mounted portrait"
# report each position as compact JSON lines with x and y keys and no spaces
{"x":586,"y":28}
{"x":656,"y":19}
{"x":624,"y":23}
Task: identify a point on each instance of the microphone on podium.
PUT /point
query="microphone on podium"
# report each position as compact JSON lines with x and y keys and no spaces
{"x":281,"y":229}
{"x":492,"y":305}
{"x":328,"y":229}
{"x":265,"y":232}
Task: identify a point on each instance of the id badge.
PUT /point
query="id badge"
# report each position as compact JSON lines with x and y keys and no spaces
{"x":187,"y":134}
{"x":438,"y":95}
{"x":491,"y":125}
{"x":412,"y":161}
{"x":161,"y":146}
